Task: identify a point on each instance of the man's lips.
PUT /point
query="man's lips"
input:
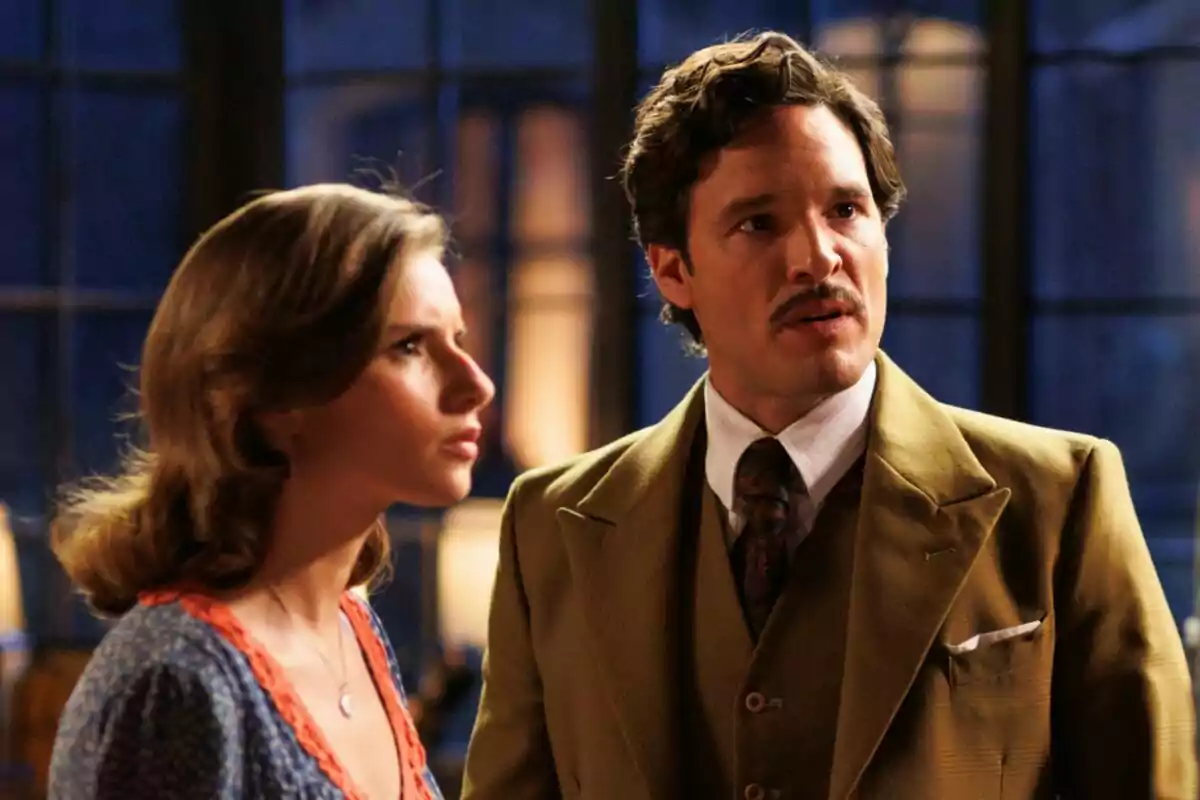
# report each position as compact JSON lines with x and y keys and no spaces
{"x":814,"y":312}
{"x":819,"y":304}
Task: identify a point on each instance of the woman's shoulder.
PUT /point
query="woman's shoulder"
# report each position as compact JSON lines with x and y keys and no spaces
{"x":162,"y":631}
{"x":156,"y":642}
{"x":160,"y":690}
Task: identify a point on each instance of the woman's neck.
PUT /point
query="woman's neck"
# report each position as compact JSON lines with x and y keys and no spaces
{"x":311,"y":557}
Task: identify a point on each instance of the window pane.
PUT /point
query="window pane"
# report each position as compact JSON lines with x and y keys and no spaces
{"x":37,"y":565}
{"x":120,"y":34}
{"x":476,"y":180}
{"x":665,"y":371}
{"x":550,"y":324}
{"x":483,"y":33}
{"x":940,"y":353}
{"x":20,"y":30}
{"x":1117,"y":194}
{"x":550,"y":331}
{"x":476,"y":192}
{"x":106,"y":347}
{"x":21,"y":187}
{"x":1121,"y":25}
{"x":855,"y":40}
{"x":125,"y":207}
{"x":1132,"y":380}
{"x":935,"y":238}
{"x":399,"y":601}
{"x":333,"y":133}
{"x":550,"y":188}
{"x":940,"y":27}
{"x":24,"y":344}
{"x":669,"y":30}
{"x":864,"y":28}
{"x":355,"y":34}
{"x":1173,"y":547}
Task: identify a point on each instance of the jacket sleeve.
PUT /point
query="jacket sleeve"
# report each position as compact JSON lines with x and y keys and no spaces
{"x":1123,"y":715}
{"x":509,"y":755}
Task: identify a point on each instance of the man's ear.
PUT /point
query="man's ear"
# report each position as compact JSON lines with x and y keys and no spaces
{"x":671,"y":274}
{"x":887,"y":252}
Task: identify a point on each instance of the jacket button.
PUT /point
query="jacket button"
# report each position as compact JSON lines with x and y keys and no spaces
{"x":754,"y":792}
{"x":755,"y":702}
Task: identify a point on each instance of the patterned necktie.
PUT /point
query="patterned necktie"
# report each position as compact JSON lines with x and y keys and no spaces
{"x":767,"y":494}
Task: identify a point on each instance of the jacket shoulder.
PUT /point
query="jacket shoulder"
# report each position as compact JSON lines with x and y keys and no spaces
{"x":570,"y":480}
{"x":1004,"y":445}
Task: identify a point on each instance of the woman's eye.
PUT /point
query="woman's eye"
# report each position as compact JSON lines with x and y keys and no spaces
{"x":409,"y":345}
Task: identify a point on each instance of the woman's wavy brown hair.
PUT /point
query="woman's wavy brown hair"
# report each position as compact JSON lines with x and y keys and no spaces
{"x":279,"y":306}
{"x":702,"y":104}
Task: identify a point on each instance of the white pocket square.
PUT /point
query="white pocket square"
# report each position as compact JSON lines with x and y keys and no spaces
{"x":991,"y":637}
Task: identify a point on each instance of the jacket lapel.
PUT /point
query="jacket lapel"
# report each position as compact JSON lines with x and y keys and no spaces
{"x":927,"y":508}
{"x":622,"y":543}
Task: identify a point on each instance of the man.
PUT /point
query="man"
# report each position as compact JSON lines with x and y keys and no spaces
{"x":812,"y":580}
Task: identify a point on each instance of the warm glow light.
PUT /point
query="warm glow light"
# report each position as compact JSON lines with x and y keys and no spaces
{"x":468,"y":550}
{"x":851,"y":38}
{"x":14,"y":651}
{"x":939,"y":88}
{"x":549,"y":340}
{"x":939,"y":37}
{"x":550,"y":293}
{"x":855,"y":40}
{"x":475,"y":177}
{"x":12,"y":612}
{"x":551,"y":203}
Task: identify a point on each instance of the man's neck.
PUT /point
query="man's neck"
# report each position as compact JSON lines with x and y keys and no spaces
{"x":772,"y":414}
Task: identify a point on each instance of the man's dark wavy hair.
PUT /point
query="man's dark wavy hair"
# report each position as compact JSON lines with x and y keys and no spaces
{"x":702,"y":104}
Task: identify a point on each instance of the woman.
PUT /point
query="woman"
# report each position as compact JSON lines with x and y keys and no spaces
{"x":304,"y":371}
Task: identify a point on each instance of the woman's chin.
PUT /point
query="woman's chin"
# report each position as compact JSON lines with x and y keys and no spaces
{"x":453,"y":488}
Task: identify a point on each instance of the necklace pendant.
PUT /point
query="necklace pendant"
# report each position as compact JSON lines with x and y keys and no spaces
{"x":345,"y":704}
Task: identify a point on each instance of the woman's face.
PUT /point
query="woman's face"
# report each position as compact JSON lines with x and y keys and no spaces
{"x":407,"y":430}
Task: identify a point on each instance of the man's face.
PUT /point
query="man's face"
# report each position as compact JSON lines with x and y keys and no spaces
{"x":788,"y":264}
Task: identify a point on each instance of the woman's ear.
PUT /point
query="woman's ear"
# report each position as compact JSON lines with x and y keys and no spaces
{"x":281,"y":429}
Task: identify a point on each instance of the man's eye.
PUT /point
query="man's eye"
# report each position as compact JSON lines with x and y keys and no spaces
{"x":755,"y":224}
{"x":845,"y":210}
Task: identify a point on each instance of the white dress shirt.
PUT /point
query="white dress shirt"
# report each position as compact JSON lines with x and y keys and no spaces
{"x":823,"y":444}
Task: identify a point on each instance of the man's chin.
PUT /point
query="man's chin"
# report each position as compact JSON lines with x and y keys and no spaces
{"x":836,"y":369}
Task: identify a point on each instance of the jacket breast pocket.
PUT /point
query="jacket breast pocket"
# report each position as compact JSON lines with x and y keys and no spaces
{"x":1020,"y":658}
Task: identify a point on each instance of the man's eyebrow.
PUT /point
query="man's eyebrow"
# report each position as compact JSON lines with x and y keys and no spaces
{"x":742,"y":206}
{"x":851,"y":191}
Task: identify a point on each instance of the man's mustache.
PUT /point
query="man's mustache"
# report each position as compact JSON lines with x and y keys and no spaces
{"x":822,"y":292}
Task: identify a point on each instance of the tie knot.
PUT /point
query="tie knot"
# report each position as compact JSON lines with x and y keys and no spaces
{"x":766,"y":472}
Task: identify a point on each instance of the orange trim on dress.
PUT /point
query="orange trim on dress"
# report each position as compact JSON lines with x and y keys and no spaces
{"x":273,"y":679}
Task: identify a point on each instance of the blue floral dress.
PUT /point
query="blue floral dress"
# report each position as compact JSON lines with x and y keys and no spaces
{"x":180,"y":702}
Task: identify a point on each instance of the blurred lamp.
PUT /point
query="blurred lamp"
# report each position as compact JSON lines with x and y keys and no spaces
{"x":468,"y":550}
{"x":14,"y":646}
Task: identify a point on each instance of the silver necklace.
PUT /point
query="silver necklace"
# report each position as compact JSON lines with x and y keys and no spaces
{"x":345,"y":701}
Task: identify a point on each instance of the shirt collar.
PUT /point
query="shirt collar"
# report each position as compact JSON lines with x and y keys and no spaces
{"x":823,"y":444}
